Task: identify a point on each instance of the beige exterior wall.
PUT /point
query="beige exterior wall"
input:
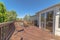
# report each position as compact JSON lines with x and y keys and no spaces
{"x":32,"y":18}
{"x":55,"y":8}
{"x":56,"y":29}
{"x":35,"y":17}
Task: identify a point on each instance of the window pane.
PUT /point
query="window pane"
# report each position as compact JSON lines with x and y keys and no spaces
{"x":49,"y":20}
{"x":42,"y":19}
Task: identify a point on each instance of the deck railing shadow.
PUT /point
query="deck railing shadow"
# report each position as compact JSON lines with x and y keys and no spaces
{"x":6,"y":30}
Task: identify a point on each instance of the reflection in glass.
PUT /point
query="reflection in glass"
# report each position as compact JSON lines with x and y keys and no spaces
{"x":42,"y":19}
{"x":49,"y":20}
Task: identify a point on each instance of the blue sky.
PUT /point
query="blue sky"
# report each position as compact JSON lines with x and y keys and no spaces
{"x":23,"y":7}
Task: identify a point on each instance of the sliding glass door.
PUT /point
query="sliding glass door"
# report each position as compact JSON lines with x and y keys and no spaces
{"x":49,"y":21}
{"x":42,"y":20}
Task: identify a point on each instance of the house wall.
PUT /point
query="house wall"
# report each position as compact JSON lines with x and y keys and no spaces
{"x":32,"y":18}
{"x":48,"y":10}
{"x":35,"y":18}
{"x":57,"y":29}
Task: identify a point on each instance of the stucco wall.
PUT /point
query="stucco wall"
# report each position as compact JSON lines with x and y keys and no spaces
{"x":57,"y":29}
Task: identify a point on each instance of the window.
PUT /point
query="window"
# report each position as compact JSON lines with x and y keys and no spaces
{"x":49,"y":20}
{"x":42,"y":19}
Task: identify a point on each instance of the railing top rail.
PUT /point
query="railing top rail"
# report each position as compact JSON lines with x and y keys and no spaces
{"x":5,"y":23}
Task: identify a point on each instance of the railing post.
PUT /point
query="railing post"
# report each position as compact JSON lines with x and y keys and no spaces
{"x":0,"y":33}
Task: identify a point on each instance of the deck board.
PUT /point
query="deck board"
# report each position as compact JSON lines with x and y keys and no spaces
{"x":31,"y":33}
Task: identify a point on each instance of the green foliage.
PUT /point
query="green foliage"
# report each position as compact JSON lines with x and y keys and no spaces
{"x":27,"y":17}
{"x":10,"y":16}
{"x":19,"y":19}
{"x":6,"y":15}
{"x":2,"y":12}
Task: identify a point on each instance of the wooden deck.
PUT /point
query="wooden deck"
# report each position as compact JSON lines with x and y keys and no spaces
{"x":31,"y":33}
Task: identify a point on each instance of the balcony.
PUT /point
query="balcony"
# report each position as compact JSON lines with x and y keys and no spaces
{"x":14,"y":31}
{"x":6,"y":30}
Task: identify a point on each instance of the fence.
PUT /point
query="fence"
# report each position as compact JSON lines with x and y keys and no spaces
{"x":6,"y":30}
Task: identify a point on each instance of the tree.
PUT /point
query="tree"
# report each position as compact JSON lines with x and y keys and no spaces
{"x":13,"y":15}
{"x":10,"y":16}
{"x":2,"y":12}
{"x":27,"y":17}
{"x":6,"y":15}
{"x":19,"y":19}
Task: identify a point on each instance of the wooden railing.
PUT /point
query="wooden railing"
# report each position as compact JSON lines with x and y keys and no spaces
{"x":6,"y":30}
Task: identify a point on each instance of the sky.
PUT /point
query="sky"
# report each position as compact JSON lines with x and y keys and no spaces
{"x":28,"y":7}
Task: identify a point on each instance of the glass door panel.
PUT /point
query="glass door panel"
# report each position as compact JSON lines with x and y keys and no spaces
{"x":42,"y":20}
{"x":49,"y":21}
